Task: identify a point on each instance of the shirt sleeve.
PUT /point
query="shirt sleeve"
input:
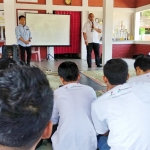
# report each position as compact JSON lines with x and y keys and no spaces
{"x":100,"y":124}
{"x":99,"y":26}
{"x":17,"y":32}
{"x":55,"y":113}
{"x":84,"y":29}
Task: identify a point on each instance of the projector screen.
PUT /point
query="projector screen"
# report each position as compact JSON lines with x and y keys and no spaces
{"x":49,"y":29}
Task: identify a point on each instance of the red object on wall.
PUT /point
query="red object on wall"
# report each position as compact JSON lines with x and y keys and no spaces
{"x":1,"y":1}
{"x":73,"y":3}
{"x":142,"y":2}
{"x":75,"y":34}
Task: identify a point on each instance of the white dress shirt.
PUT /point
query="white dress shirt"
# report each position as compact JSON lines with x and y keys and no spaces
{"x":124,"y":111}
{"x":72,"y":108}
{"x":92,"y":37}
{"x":144,"y":78}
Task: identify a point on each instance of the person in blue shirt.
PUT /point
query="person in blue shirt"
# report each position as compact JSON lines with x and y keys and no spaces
{"x":23,"y":36}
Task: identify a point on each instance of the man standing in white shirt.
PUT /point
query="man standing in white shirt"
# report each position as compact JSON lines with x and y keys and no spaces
{"x":123,"y":111}
{"x":23,"y":36}
{"x":142,"y":68}
{"x":72,"y":112}
{"x":91,"y":31}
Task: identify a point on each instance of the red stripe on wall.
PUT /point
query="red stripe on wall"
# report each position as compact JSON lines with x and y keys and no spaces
{"x":125,"y":3}
{"x":142,"y":2}
{"x":117,"y":3}
{"x":141,"y":49}
{"x":73,"y":3}
{"x":127,"y":50}
{"x":120,"y":51}
{"x":96,"y":3}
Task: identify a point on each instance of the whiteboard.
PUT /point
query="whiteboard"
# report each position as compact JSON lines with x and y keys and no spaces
{"x":49,"y":29}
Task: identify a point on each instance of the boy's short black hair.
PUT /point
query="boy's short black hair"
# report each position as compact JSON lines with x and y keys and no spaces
{"x":26,"y":103}
{"x":6,"y":63}
{"x":21,"y":16}
{"x":116,"y":71}
{"x":143,"y":62}
{"x":68,"y":71}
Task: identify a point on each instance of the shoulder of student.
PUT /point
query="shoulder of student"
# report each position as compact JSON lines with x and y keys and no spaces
{"x":140,"y":86}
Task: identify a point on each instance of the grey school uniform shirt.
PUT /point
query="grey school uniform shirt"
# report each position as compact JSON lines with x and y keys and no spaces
{"x":24,"y":32}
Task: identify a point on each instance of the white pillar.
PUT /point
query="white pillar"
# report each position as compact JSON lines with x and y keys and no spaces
{"x":137,"y":25}
{"x":10,"y":21}
{"x":50,"y":50}
{"x":107,"y":30}
{"x":84,"y":18}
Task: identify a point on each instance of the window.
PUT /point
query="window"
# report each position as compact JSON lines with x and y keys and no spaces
{"x":144,"y":29}
{"x":2,"y":26}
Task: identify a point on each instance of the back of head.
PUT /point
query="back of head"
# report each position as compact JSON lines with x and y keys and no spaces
{"x":68,"y":71}
{"x":26,"y":102}
{"x":116,"y":71}
{"x":6,"y":63}
{"x":143,"y":62}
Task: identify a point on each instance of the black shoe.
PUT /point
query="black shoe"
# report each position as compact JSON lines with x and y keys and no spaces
{"x":99,"y":66}
{"x":89,"y":66}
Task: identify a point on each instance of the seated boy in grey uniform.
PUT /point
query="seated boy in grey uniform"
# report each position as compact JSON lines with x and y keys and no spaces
{"x":142,"y":68}
{"x":72,"y":108}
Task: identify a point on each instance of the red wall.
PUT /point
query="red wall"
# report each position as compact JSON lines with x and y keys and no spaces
{"x":140,"y":48}
{"x":123,"y":51}
{"x":127,"y":50}
{"x":120,"y":51}
{"x":125,"y":3}
{"x":142,"y":2}
{"x":117,"y":3}
{"x":95,"y":3}
{"x":73,"y":3}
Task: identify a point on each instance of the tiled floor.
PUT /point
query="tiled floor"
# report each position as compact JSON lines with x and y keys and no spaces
{"x":82,"y":64}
